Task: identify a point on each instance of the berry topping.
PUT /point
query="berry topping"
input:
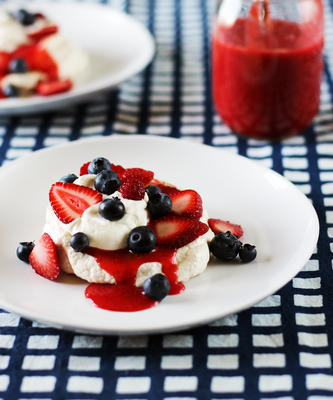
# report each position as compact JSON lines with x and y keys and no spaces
{"x":225,"y":246}
{"x":159,"y":205}
{"x":132,"y":189}
{"x":217,"y":226}
{"x":25,"y":17}
{"x":18,"y":66}
{"x":4,"y":62}
{"x":69,"y":201}
{"x":23,"y":251}
{"x":112,"y":209}
{"x":156,"y":287}
{"x":70,"y":178}
{"x":141,"y":240}
{"x":152,"y":189}
{"x":84,"y":169}
{"x":107,"y":182}
{"x":98,"y":165}
{"x":79,"y":241}
{"x":175,"y":232}
{"x":138,"y":174}
{"x":119,"y":170}
{"x":11,"y":91}
{"x":46,"y":31}
{"x":53,"y":87}
{"x":247,"y":252}
{"x":44,"y":259}
{"x":187,"y":203}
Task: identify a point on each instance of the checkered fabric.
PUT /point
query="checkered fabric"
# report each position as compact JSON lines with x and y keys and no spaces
{"x":279,"y":349}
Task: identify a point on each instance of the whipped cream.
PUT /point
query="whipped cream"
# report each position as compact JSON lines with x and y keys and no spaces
{"x":72,"y":62}
{"x":192,"y":259}
{"x":12,"y":33}
{"x":26,"y":81}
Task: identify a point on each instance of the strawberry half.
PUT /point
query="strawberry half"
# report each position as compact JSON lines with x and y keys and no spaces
{"x":218,"y":225}
{"x":132,"y":189}
{"x":69,"y":200}
{"x":138,"y":174}
{"x":177,"y":232}
{"x":44,"y":259}
{"x":186,"y":203}
{"x":53,"y":87}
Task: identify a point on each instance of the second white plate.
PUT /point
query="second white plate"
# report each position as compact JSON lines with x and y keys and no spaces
{"x":274,"y":214}
{"x":118,"y":47}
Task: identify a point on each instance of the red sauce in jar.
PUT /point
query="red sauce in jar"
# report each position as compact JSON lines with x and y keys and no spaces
{"x":267,"y":85}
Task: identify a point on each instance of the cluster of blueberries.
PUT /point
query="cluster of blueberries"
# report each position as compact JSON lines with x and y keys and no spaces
{"x":226,"y":247}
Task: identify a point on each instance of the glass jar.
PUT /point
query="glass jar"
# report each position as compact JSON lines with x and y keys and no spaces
{"x":267,"y":64}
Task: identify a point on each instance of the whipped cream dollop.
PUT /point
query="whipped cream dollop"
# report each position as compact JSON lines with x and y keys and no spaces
{"x":12,"y":33}
{"x":192,"y":259}
{"x":73,"y":63}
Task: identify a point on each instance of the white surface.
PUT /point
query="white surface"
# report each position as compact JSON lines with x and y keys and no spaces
{"x":118,"y":47}
{"x":275,"y":216}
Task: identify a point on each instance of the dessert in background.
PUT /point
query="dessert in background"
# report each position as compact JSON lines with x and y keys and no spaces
{"x":35,"y":58}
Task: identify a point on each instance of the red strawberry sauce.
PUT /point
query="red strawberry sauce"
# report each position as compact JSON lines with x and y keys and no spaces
{"x":123,"y":266}
{"x":270,"y":88}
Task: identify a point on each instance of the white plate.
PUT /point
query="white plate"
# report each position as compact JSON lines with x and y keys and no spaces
{"x":118,"y":47}
{"x":274,"y":214}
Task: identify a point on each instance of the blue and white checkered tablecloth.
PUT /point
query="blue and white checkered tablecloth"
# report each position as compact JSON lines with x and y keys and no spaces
{"x":279,"y":349}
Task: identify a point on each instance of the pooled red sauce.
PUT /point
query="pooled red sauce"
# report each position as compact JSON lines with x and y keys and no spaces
{"x":123,"y":266}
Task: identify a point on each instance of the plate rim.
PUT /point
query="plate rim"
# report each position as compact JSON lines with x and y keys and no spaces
{"x":79,"y":94}
{"x":84,"y":328}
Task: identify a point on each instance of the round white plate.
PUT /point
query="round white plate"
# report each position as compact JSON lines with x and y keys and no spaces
{"x":118,"y":47}
{"x":274,"y":214}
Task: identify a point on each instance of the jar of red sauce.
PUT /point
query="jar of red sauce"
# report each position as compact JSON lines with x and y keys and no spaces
{"x":267,"y":64}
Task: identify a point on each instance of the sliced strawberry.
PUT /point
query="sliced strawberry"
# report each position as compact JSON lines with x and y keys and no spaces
{"x":42,"y":33}
{"x":139,"y":174}
{"x":44,"y":259}
{"x":176,"y":232}
{"x":84,"y":168}
{"x":4,"y":62}
{"x":187,"y":203}
{"x":218,"y":225}
{"x":53,"y":87}
{"x":119,"y":170}
{"x":132,"y":189}
{"x":69,"y":200}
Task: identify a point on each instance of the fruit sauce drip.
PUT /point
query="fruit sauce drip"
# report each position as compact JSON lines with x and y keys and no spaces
{"x":123,"y":266}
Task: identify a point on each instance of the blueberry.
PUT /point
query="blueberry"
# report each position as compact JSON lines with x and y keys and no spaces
{"x":70,"y":178}
{"x":18,"y":66}
{"x":99,"y":164}
{"x":247,"y":252}
{"x":23,"y":251}
{"x":111,"y":209}
{"x":141,"y":240}
{"x":79,"y":241}
{"x":156,"y":287}
{"x":25,"y":18}
{"x":225,"y":246}
{"x":107,"y":182}
{"x":11,"y":91}
{"x":152,"y":189}
{"x":159,"y":205}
